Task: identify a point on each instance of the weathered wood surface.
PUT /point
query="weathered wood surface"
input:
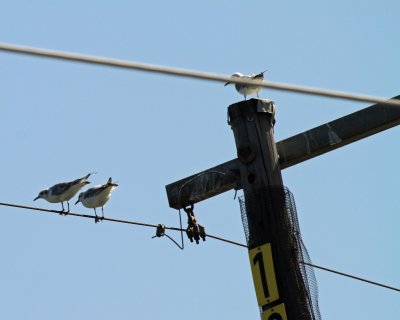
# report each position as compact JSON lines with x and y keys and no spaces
{"x":203,"y":185}
{"x":267,"y":217}
{"x":338,"y":133}
{"x":293,"y":150}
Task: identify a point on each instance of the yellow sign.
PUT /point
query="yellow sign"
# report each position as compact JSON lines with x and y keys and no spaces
{"x":262,"y":268}
{"x":276,"y":313}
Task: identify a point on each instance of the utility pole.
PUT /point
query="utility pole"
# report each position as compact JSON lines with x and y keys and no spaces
{"x":277,"y":278}
{"x":280,"y":288}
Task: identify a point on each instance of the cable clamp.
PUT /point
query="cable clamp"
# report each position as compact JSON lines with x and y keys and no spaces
{"x":194,"y":231}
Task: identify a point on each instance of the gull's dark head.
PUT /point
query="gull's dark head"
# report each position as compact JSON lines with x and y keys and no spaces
{"x":79,"y":198}
{"x":42,"y":194}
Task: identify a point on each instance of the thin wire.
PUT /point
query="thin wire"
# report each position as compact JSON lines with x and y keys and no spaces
{"x":181,"y":230}
{"x":179,"y":200}
{"x":351,"y":276}
{"x":226,"y":240}
{"x":173,"y":241}
{"x":192,"y":73}
{"x":180,"y":223}
{"x":112,"y":220}
{"x":182,"y":245}
{"x":78,"y":215}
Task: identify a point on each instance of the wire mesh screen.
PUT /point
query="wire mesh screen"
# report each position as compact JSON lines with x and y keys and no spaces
{"x":242,"y":204}
{"x":297,"y":247}
{"x":307,"y":272}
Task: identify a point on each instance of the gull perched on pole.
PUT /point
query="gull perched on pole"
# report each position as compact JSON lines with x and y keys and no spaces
{"x":247,"y":89}
{"x":97,"y":196}
{"x":64,"y":191}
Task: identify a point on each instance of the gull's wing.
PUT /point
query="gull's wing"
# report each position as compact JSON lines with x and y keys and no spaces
{"x":92,"y":192}
{"x":60,"y":188}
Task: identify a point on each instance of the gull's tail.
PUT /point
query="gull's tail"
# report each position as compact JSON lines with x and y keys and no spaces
{"x":260,"y":76}
{"x":84,"y":179}
{"x":110,"y":183}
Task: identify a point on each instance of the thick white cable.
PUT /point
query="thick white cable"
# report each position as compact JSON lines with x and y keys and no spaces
{"x":192,"y":74}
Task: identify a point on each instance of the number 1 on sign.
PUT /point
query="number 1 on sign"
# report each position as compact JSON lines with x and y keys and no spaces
{"x":263,"y":271}
{"x":258,"y":259}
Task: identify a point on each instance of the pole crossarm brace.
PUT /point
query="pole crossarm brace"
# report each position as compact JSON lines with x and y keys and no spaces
{"x":294,"y":150}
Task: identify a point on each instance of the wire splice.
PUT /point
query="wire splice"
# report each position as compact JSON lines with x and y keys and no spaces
{"x":160,"y":231}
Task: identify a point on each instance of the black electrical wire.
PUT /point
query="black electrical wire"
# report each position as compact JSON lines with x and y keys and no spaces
{"x":351,"y":276}
{"x":182,"y":230}
{"x":88,"y":216}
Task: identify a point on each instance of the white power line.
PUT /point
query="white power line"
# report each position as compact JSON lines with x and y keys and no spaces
{"x":192,"y":74}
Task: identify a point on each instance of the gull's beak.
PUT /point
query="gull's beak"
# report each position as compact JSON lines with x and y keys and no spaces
{"x":77,"y":201}
{"x":227,"y":83}
{"x":36,"y":198}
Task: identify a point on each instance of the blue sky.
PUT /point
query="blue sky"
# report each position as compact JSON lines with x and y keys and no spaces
{"x":61,"y":120}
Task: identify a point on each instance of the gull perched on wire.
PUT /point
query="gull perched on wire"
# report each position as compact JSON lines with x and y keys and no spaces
{"x":64,"y":191}
{"x":97,"y":197}
{"x":247,"y":89}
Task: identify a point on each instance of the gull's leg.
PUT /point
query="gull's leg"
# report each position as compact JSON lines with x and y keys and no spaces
{"x":62,"y":210}
{"x":102,"y":212}
{"x":245,"y":97}
{"x":96,"y":219}
{"x":257,"y":95}
{"x":66,"y":212}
